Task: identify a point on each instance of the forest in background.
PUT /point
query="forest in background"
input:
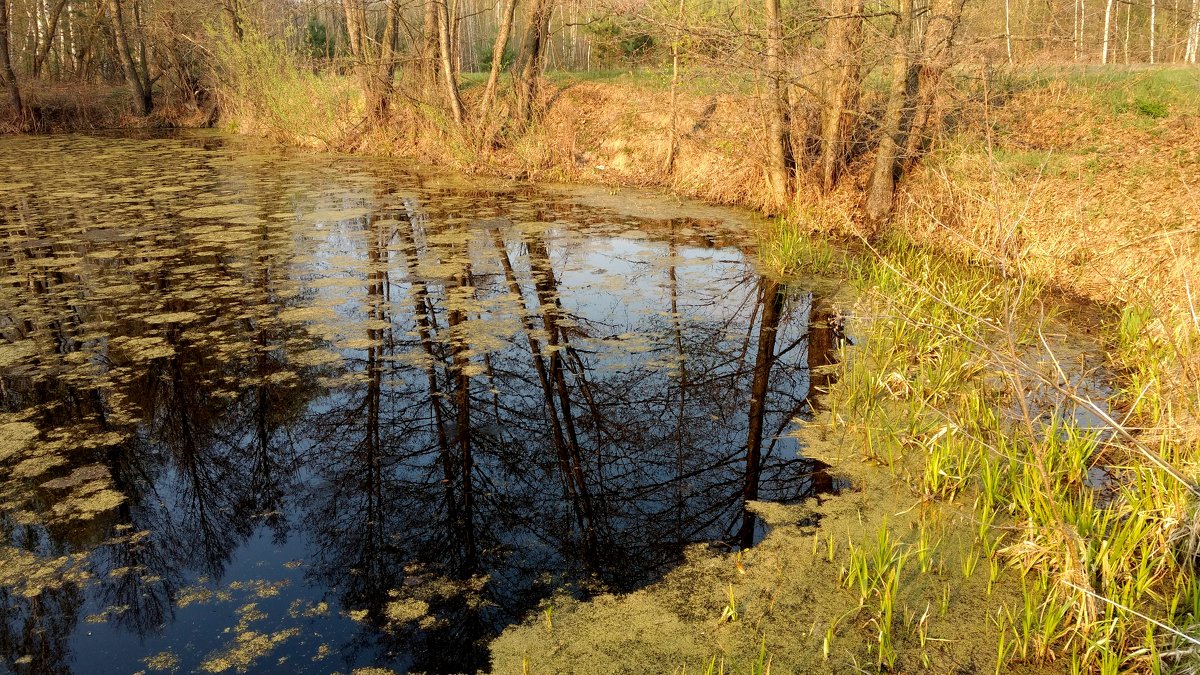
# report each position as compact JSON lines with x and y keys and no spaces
{"x":826,"y":89}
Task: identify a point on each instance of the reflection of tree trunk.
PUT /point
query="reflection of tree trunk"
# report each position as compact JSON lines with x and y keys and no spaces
{"x":457,"y":320}
{"x":539,"y":364}
{"x":677,"y":329}
{"x":547,"y":295}
{"x":374,"y":445}
{"x":772,"y":298}
{"x":825,"y":337}
{"x":420,"y":302}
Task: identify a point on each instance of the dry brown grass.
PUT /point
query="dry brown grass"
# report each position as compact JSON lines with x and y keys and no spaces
{"x":1094,"y":198}
{"x":76,"y":106}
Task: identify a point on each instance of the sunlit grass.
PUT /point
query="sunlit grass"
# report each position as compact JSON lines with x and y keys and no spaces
{"x":924,"y":394}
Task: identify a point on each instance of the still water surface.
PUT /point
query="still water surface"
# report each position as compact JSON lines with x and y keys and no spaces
{"x":276,"y":412}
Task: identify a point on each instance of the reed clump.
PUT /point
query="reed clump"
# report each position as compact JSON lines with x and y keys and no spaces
{"x":960,"y":393}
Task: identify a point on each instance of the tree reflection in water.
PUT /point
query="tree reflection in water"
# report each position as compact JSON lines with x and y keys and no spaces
{"x":448,"y":399}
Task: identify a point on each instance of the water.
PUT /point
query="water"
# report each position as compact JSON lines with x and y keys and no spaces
{"x":275,"y":412}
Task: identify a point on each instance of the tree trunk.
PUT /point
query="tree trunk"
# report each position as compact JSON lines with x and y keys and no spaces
{"x":1153,"y":12}
{"x":1193,"y":38}
{"x":374,"y":63}
{"x":673,"y":140}
{"x":233,"y":11}
{"x":430,"y":62}
{"x":138,"y":79}
{"x":1075,"y":34}
{"x":385,"y":71}
{"x":1008,"y":31}
{"x":1128,"y":21}
{"x":356,"y":27}
{"x":536,"y":37}
{"x":843,"y":44}
{"x":6,"y":69}
{"x":777,"y":124}
{"x":43,"y":49}
{"x":501,"y":44}
{"x":935,"y":60}
{"x":447,"y":56}
{"x":1108,"y":7}
{"x":882,"y":185}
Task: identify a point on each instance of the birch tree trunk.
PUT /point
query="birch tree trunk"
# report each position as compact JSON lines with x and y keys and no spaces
{"x":446,"y":48}
{"x":1008,"y":30}
{"x":1108,"y":7}
{"x":1193,"y":35}
{"x":1153,"y":13}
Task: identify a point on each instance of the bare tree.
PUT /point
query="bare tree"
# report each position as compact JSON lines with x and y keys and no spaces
{"x":137,"y":71}
{"x":498,"y":49}
{"x":375,"y":60}
{"x":1108,"y":10}
{"x":233,"y":10}
{"x":532,"y":58}
{"x":449,"y":71}
{"x":676,"y":47}
{"x":48,"y":34}
{"x":6,"y":69}
{"x":920,"y":58}
{"x":883,"y":177}
{"x":1153,"y":20}
{"x":843,"y":46}
{"x":777,"y":117}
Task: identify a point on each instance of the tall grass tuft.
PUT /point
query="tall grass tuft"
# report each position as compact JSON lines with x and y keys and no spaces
{"x":264,"y":88}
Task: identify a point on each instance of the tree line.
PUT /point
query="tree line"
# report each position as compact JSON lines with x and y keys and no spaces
{"x":839,"y":82}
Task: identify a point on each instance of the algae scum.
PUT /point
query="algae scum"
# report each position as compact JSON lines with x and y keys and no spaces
{"x":302,"y":413}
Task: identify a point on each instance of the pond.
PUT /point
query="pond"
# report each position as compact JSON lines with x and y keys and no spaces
{"x":276,"y":412}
